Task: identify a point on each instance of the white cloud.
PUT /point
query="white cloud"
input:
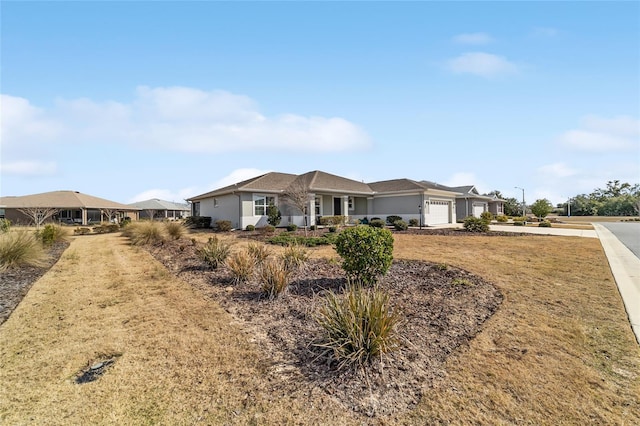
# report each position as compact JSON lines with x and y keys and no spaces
{"x":473,"y":38}
{"x":556,"y":170}
{"x":482,"y":64}
{"x":236,"y":176}
{"x":171,"y":119}
{"x":603,"y":135}
{"x":29,"y":168}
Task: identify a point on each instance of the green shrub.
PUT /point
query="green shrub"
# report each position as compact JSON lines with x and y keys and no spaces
{"x":5,"y":225}
{"x":288,"y":239}
{"x":366,"y":252}
{"x":175,"y":230}
{"x":143,"y":233}
{"x":400,"y":225}
{"x":333,"y":228}
{"x":518,"y":223}
{"x":545,"y":224}
{"x":106,"y":228}
{"x":294,"y":257}
{"x":214,"y":252}
{"x":250,"y":228}
{"x":52,"y":233}
{"x":393,"y":218}
{"x":364,"y":221}
{"x":358,"y":326}
{"x":20,"y":248}
{"x":198,"y":222}
{"x":377,"y":223}
{"x":242,"y":266}
{"x":313,"y":227}
{"x":273,"y":215}
{"x":486,"y":216}
{"x":223,"y":225}
{"x":292,"y":227}
{"x":475,"y":224}
{"x":274,"y":278}
{"x":258,"y":252}
{"x":414,"y":222}
{"x":502,"y":218}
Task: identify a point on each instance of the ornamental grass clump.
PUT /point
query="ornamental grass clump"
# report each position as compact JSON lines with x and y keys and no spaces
{"x":52,"y":233}
{"x":259,"y":252}
{"x":18,"y":248}
{"x":214,"y":252}
{"x":358,"y":326}
{"x":294,"y":257}
{"x":366,"y":252}
{"x":242,"y":266}
{"x":274,"y":278}
{"x":175,"y":230}
{"x":144,"y":233}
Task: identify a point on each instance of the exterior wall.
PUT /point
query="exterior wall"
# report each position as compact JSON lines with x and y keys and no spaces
{"x":464,"y":207}
{"x":405,"y":206}
{"x":496,"y":207}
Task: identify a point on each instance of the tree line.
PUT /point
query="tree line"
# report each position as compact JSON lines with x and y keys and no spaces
{"x":616,"y":199}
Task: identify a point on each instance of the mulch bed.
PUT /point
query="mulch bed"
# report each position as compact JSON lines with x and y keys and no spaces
{"x":16,"y":282}
{"x":443,"y":309}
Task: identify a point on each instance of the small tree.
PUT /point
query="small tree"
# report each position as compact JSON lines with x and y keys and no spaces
{"x":366,"y":251}
{"x":151,"y":213}
{"x":38,"y":215}
{"x":541,"y":208}
{"x":297,"y":195}
{"x":273,"y":215}
{"x":109,"y":213}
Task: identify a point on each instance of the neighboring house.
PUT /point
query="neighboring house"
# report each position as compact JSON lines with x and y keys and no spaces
{"x":428,"y":202}
{"x":470,"y":202}
{"x":496,"y":205}
{"x":71,"y":207}
{"x":245,"y":203}
{"x":161,"y":209}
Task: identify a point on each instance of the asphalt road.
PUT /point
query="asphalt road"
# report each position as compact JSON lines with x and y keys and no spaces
{"x":627,"y":232}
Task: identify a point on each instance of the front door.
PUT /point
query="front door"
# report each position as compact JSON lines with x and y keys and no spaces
{"x":337,"y":206}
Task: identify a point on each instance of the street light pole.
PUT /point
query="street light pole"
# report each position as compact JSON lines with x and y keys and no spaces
{"x":420,"y":213}
{"x":569,"y":207}
{"x":524,"y":206}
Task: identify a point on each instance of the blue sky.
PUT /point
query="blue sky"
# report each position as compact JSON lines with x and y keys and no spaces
{"x":136,"y":100}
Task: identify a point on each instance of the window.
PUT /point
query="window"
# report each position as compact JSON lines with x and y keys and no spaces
{"x":350,"y":203}
{"x":318,"y":204}
{"x":215,"y":202}
{"x":260,"y":204}
{"x":195,"y":208}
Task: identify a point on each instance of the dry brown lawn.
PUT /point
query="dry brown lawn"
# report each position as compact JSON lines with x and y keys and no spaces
{"x":558,"y":351}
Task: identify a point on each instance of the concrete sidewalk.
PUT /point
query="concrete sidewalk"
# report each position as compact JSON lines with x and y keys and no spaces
{"x":586,"y":233}
{"x":625,"y":267}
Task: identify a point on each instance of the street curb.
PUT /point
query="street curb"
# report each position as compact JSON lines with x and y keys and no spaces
{"x":625,"y":267}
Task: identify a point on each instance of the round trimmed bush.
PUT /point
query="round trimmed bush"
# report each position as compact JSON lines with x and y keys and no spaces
{"x":292,"y":227}
{"x":475,"y":224}
{"x":400,"y":225}
{"x":545,"y":224}
{"x":250,"y":228}
{"x":413,"y":222}
{"x":366,"y":251}
{"x":377,"y":223}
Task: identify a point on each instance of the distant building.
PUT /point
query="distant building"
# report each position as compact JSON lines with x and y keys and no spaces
{"x":71,"y":207}
{"x":156,"y":209}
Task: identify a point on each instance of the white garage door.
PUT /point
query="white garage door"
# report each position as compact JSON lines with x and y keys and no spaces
{"x":439,"y":212}
{"x":478,"y":210}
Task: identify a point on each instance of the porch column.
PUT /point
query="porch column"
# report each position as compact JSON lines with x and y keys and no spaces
{"x":311,"y":209}
{"x":345,"y":208}
{"x":84,"y":216}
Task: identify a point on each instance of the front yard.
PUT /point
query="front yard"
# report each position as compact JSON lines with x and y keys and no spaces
{"x":558,"y":349}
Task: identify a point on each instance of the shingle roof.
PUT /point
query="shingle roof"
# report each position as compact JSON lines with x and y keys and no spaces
{"x":398,"y":185}
{"x":62,"y":200}
{"x":322,"y":181}
{"x":156,"y":204}
{"x":271,"y":182}
{"x":470,"y":191}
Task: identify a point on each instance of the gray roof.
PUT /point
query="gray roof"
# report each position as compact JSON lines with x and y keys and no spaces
{"x":407,"y":185}
{"x":274,"y":182}
{"x":62,"y":200}
{"x":470,"y":191}
{"x":269,"y":182}
{"x":156,"y":204}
